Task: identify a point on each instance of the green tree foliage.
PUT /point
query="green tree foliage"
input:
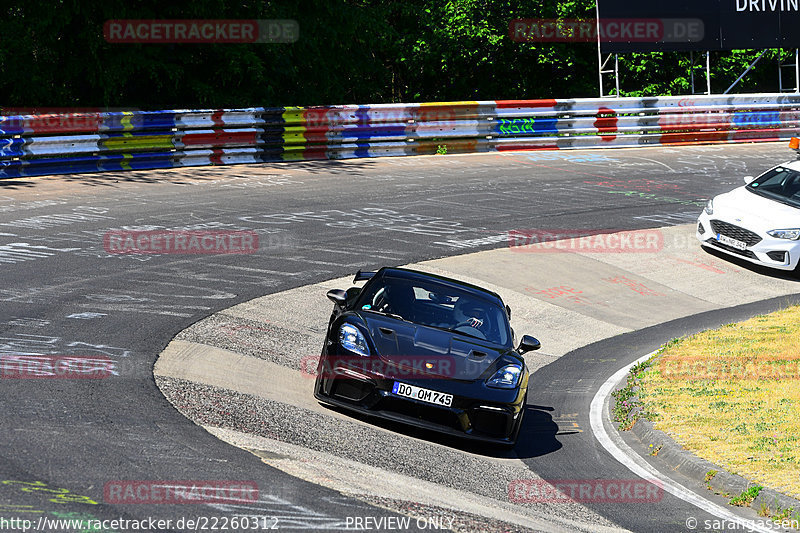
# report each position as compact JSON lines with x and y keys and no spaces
{"x":664,"y":73}
{"x":54,"y":54}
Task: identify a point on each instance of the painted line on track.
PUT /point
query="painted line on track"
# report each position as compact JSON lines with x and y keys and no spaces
{"x":623,"y":453}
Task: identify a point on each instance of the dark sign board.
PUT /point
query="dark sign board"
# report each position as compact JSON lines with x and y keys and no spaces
{"x":699,"y":25}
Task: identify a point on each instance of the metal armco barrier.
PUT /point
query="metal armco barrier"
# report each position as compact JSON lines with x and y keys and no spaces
{"x":95,"y":141}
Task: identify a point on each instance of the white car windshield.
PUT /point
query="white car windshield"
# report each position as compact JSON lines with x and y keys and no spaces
{"x":780,"y":183}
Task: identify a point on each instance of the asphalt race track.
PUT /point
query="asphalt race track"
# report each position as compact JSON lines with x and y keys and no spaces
{"x":63,"y":294}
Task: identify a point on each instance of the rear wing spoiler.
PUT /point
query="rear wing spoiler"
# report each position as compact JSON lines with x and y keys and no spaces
{"x":363,"y":276}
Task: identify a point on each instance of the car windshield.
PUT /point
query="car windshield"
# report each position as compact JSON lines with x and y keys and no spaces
{"x":441,"y":306}
{"x":780,"y":183}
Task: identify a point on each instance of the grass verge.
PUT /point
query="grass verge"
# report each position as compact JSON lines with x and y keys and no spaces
{"x":730,"y":395}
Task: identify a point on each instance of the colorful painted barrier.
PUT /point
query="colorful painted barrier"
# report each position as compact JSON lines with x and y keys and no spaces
{"x":97,"y":141}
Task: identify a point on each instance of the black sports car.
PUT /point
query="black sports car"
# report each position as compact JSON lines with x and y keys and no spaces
{"x":428,"y":351}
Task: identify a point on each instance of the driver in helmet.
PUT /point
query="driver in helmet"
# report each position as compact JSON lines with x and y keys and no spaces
{"x":400,"y":300}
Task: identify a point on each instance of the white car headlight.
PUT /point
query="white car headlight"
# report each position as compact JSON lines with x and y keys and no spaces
{"x":709,"y":209}
{"x":352,"y":340}
{"x":788,"y":234}
{"x":505,"y":378}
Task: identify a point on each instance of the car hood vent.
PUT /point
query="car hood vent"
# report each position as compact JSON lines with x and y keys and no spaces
{"x":410,"y":346}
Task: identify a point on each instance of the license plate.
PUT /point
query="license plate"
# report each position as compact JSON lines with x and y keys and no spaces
{"x":423,"y":395}
{"x":731,"y":242}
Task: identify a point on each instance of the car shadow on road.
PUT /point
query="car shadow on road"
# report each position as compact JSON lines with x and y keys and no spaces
{"x":537,"y":435}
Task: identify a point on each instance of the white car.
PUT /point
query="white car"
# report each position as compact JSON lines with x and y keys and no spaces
{"x":759,"y":222}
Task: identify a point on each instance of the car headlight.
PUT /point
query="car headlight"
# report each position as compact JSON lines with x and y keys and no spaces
{"x":352,"y":340}
{"x":505,"y":378}
{"x":709,"y":209}
{"x":788,"y":234}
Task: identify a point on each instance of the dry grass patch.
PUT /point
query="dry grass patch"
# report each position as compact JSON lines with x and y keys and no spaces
{"x":732,"y":396}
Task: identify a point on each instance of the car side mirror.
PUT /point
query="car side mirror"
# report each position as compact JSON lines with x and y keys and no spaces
{"x":508,"y":311}
{"x":528,"y":344}
{"x":337,"y":296}
{"x":748,"y":179}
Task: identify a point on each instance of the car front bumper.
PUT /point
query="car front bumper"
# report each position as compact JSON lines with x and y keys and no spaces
{"x":775,"y":253}
{"x":472,"y":415}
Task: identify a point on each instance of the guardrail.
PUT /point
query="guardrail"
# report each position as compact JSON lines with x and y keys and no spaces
{"x":95,"y":141}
